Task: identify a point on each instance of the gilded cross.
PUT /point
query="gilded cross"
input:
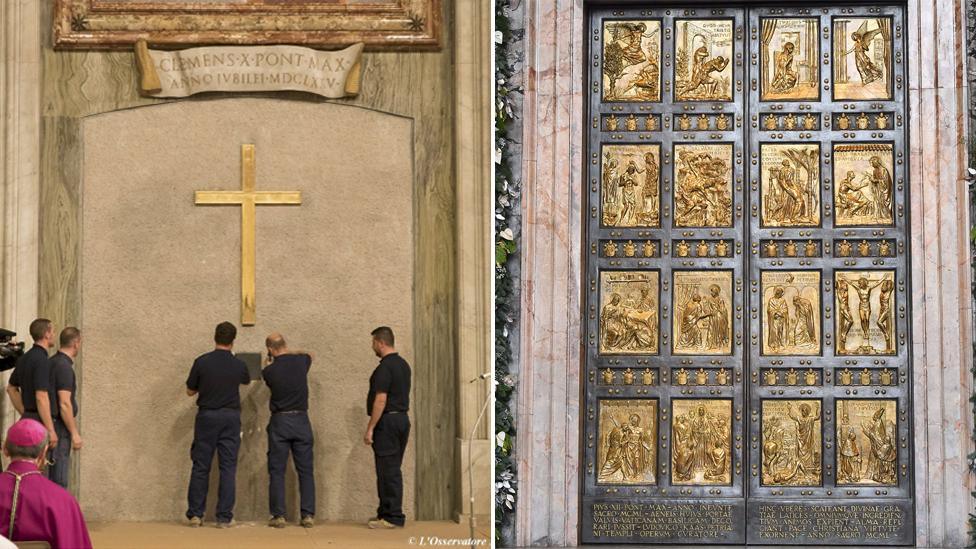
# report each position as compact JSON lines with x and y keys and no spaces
{"x":247,"y":198}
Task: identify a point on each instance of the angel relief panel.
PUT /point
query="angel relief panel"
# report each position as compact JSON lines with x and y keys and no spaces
{"x":630,"y":193}
{"x":632,"y":60}
{"x":629,"y":312}
{"x":628,"y":449}
{"x":862,"y":58}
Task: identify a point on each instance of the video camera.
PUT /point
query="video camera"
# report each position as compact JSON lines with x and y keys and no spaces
{"x":8,"y":348}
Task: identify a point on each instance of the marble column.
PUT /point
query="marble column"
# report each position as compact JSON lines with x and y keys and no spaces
{"x":942,"y":313}
{"x":473,"y":146}
{"x":548,"y":392}
{"x":20,"y":113}
{"x":548,"y":416}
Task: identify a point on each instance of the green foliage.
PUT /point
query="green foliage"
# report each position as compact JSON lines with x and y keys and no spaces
{"x":971,"y":458}
{"x":506,"y":248}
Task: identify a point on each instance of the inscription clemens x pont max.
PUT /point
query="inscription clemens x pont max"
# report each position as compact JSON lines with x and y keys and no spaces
{"x":247,"y":69}
{"x":716,"y":520}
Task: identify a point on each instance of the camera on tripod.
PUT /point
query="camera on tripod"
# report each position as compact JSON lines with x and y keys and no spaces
{"x":10,"y":349}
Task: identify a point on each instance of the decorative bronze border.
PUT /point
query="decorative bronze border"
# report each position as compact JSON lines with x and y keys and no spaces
{"x":113,"y":24}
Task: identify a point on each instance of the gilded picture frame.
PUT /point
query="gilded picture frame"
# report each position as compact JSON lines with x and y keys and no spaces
{"x":118,"y":24}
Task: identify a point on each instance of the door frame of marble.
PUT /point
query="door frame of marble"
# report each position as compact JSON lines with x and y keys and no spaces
{"x":20,"y":111}
{"x":549,"y":372}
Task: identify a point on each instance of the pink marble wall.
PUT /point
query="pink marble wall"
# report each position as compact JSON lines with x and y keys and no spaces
{"x":942,"y":328}
{"x":549,"y":389}
{"x":548,"y":422}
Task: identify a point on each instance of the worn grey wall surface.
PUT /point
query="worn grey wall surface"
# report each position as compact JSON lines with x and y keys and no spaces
{"x":415,"y":85}
{"x":159,"y":272}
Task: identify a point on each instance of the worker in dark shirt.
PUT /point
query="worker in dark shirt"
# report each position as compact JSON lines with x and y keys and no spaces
{"x":63,"y":388}
{"x":30,"y":383}
{"x":289,"y":429}
{"x":216,"y":378}
{"x":386,"y":405}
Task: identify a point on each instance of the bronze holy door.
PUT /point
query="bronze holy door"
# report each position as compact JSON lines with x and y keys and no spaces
{"x":746,"y":283}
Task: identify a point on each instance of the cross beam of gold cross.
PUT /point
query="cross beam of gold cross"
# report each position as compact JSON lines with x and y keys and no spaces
{"x":247,"y":198}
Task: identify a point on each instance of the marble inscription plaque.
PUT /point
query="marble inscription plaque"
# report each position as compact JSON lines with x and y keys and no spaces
{"x":187,"y":72}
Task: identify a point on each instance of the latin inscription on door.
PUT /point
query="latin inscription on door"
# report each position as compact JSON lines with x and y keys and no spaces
{"x":747,"y":302}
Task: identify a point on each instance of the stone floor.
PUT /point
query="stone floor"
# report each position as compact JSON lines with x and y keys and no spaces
{"x":128,"y":535}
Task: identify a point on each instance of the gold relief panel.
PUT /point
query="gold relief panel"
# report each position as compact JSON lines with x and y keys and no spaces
{"x":703,"y":185}
{"x":629,"y":312}
{"x":702,"y":313}
{"x":791,"y":443}
{"x":867,"y":442}
{"x":631,"y":190}
{"x":790,"y":50}
{"x":627,"y":452}
{"x":790,"y":312}
{"x":701,"y":432}
{"x":702,"y":64}
{"x":632,"y":60}
{"x":790,"y":181}
{"x":863,"y":191}
{"x":862,"y":58}
{"x":865,"y":312}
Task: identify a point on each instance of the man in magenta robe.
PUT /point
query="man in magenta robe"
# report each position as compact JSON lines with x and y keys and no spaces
{"x":32,"y":508}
